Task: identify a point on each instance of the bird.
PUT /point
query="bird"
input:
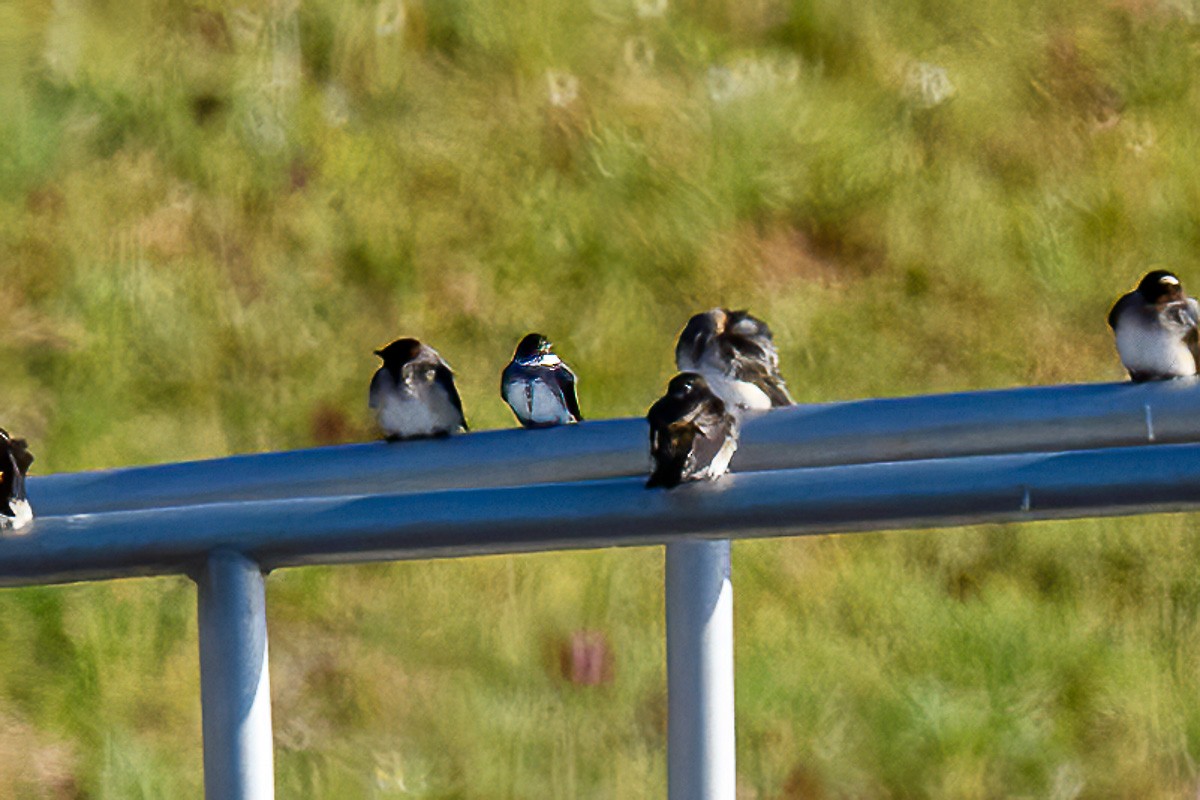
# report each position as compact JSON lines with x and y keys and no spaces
{"x":692,"y":434}
{"x":1155,"y":326}
{"x":735,"y":352}
{"x":539,"y":386}
{"x":413,"y":393}
{"x":15,"y":458}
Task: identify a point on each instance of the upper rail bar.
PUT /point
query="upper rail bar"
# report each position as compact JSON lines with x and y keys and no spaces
{"x":1029,"y":419}
{"x":615,"y":512}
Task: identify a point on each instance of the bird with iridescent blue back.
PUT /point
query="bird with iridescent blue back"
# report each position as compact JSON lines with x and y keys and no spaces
{"x":538,"y":385}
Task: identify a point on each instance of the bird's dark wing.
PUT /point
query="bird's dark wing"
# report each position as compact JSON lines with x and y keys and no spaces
{"x":748,"y":349}
{"x":670,"y":443}
{"x":12,"y":478}
{"x":18,"y":484}
{"x":506,"y":376}
{"x":443,"y":377}
{"x":380,"y":382}
{"x":759,"y":367}
{"x":693,"y":339}
{"x":670,"y":448}
{"x":21,"y":455}
{"x":769,"y":380}
{"x":566,"y":384}
{"x":776,"y":389}
{"x":1126,"y":302}
{"x":751,"y":336}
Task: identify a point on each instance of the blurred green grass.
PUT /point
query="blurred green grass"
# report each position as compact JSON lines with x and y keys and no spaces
{"x":210,"y":214}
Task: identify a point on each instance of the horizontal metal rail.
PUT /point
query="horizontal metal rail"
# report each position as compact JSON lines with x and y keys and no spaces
{"x":1036,"y":419}
{"x":616,"y":512}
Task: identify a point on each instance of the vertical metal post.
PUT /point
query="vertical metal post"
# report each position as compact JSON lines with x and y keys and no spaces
{"x":700,"y":733}
{"x":235,"y":687}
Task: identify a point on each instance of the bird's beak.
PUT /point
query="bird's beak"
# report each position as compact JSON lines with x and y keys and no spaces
{"x":379,"y":353}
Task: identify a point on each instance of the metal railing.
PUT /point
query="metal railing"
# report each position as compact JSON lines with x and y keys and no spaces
{"x":1012,"y":455}
{"x":1036,"y":419}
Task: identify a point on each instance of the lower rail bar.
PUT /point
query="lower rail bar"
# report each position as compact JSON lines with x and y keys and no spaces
{"x":701,"y":763}
{"x":235,"y":686}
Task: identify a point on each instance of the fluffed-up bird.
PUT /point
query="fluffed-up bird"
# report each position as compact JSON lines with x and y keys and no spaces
{"x":692,"y":434}
{"x":15,"y":458}
{"x":1156,"y":329}
{"x":736,"y":354}
{"x":413,"y":393}
{"x":539,"y":386}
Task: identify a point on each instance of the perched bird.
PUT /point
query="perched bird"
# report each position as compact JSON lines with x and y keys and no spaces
{"x":736,"y":354}
{"x":1155,"y":328}
{"x":413,"y":393}
{"x":538,"y":386}
{"x":15,"y":458}
{"x":692,"y":434}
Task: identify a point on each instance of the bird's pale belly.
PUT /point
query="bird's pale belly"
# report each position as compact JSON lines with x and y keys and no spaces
{"x":1155,"y":351}
{"x":404,"y":415}
{"x":545,"y":406}
{"x":737,"y":395}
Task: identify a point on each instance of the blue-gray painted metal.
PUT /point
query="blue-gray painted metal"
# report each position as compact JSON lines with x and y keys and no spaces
{"x":941,"y":492}
{"x":1042,"y":419}
{"x":701,"y":762}
{"x":235,"y":686}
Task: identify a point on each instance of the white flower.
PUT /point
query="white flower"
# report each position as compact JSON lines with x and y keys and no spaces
{"x":650,"y":8}
{"x":723,"y":86}
{"x":752,"y":75}
{"x":563,"y":88}
{"x":928,"y":85}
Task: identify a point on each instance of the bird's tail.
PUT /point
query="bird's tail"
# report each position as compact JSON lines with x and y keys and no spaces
{"x":658,"y":479}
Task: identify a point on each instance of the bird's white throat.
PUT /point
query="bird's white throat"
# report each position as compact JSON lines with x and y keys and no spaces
{"x":541,"y":360}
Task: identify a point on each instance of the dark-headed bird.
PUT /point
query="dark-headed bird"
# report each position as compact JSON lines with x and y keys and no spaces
{"x":413,"y":393}
{"x":1155,"y":327}
{"x":692,"y":434}
{"x":15,"y":459}
{"x":539,"y":386}
{"x":735,"y":352}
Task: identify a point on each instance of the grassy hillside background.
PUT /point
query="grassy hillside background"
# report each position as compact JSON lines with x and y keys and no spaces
{"x":210,"y":214}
